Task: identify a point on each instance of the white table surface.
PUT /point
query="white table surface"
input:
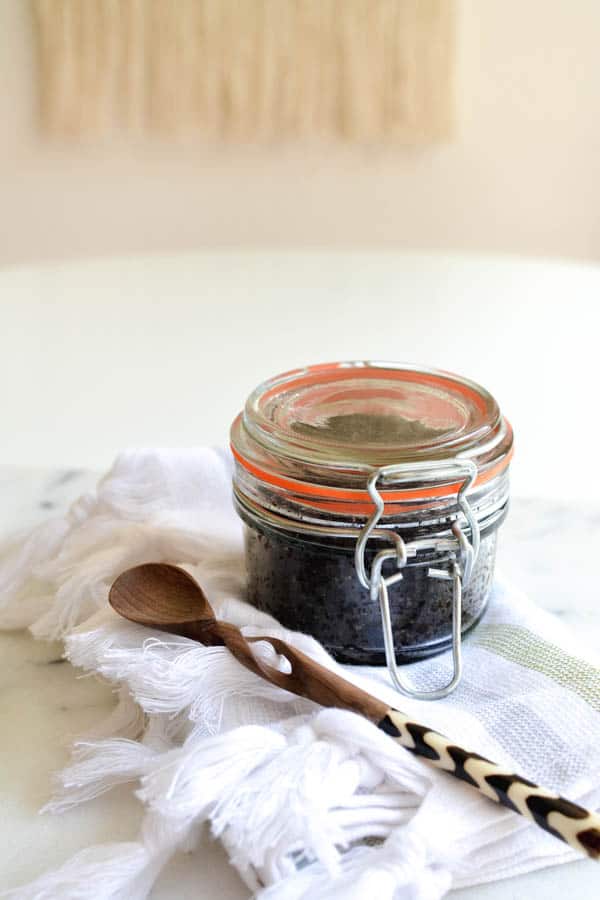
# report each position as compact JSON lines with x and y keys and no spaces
{"x":162,"y":351}
{"x":43,"y":703}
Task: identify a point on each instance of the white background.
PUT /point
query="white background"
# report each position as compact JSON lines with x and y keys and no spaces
{"x":522,"y":173}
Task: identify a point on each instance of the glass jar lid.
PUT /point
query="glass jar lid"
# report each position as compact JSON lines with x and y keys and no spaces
{"x":319,"y":429}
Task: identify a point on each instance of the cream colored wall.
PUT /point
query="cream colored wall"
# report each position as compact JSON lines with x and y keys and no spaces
{"x":523,"y":174}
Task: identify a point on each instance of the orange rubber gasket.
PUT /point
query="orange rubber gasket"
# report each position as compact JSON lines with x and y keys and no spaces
{"x":325,"y":497}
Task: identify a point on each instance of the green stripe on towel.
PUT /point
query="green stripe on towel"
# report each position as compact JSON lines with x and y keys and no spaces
{"x":522,"y":646}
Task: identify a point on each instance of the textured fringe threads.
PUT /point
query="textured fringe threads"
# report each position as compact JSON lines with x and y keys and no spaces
{"x":364,"y":70}
{"x":292,"y":800}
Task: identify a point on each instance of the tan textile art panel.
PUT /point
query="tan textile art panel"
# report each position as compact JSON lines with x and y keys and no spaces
{"x":359,"y":70}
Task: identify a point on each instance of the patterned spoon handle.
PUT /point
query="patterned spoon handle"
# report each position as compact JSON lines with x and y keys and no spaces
{"x":565,"y":820}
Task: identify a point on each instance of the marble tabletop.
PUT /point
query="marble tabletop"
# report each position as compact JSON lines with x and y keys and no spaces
{"x":44,"y":701}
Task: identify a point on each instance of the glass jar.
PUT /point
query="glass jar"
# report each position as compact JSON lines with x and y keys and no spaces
{"x":371,"y":495}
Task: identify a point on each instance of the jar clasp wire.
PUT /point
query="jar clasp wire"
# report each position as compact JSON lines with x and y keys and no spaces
{"x":461,"y":552}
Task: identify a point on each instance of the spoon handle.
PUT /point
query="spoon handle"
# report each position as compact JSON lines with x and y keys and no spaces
{"x":573,"y":824}
{"x":567,"y":821}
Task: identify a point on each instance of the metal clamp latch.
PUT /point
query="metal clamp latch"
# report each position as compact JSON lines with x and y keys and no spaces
{"x":461,"y":552}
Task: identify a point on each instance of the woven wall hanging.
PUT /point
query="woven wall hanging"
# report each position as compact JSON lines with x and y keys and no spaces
{"x":362,"y":70}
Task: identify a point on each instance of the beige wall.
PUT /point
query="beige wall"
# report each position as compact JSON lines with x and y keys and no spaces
{"x":523,"y":174}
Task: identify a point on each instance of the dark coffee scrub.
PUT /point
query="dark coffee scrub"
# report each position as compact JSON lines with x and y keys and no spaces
{"x":371,"y":495}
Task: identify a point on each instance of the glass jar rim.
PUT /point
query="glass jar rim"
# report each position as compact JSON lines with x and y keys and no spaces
{"x":319,"y":431}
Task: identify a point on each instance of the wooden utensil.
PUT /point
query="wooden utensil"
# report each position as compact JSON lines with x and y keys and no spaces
{"x":168,"y":598}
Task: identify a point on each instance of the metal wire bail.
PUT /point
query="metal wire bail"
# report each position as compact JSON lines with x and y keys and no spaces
{"x":462,"y":552}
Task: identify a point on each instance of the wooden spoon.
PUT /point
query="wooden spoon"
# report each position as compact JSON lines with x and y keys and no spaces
{"x":165,"y":597}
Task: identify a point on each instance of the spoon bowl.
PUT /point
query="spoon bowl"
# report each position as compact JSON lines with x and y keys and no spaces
{"x":160,"y":596}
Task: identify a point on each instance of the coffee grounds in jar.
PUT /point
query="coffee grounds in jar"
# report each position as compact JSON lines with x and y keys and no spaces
{"x":359,"y":428}
{"x":313,"y":587}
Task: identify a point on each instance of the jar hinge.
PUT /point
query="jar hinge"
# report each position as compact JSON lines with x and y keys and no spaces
{"x":461,"y":551}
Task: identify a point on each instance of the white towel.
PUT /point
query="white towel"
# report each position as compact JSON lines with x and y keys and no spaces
{"x":309,"y":803}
